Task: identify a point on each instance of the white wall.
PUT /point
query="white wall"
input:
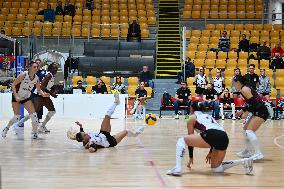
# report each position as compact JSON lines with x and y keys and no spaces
{"x":277,"y":6}
{"x":74,"y":105}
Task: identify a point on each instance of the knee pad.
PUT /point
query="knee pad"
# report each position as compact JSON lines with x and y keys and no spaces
{"x":16,"y":118}
{"x":34,"y":119}
{"x":250,"y":135}
{"x":219,"y":169}
{"x":51,"y":113}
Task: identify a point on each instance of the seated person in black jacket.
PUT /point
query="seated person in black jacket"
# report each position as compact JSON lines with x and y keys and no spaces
{"x":134,"y":31}
{"x":80,"y":86}
{"x":189,"y":68}
{"x":69,"y":9}
{"x":263,"y":51}
{"x":99,"y":88}
{"x":59,"y":9}
{"x":146,"y":77}
{"x":244,"y":44}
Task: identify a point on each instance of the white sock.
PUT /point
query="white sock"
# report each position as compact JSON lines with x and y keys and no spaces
{"x":24,"y":119}
{"x":34,"y":123}
{"x":248,"y":146}
{"x":253,"y":140}
{"x":15,"y":119}
{"x":135,"y":106}
{"x":222,"y":110}
{"x":227,"y":165}
{"x":111,"y":110}
{"x":49,"y":115}
{"x":233,"y":109}
{"x":180,"y":149}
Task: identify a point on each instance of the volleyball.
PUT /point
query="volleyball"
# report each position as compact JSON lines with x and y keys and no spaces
{"x":150,"y":119}
{"x":71,"y":133}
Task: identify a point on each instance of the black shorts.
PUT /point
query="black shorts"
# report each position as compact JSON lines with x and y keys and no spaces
{"x":237,"y":93}
{"x":261,"y":112}
{"x":199,"y":90}
{"x":111,"y":140}
{"x":217,"y":139}
{"x":264,"y":94}
{"x":22,"y":101}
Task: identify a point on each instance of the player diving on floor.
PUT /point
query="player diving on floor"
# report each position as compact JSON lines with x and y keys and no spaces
{"x":103,"y":139}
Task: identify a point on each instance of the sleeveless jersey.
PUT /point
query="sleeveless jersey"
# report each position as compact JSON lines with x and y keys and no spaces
{"x":201,"y":81}
{"x":255,"y":95}
{"x":99,"y":139}
{"x":218,"y":84}
{"x":50,"y":82}
{"x":26,"y":86}
{"x":205,"y":122}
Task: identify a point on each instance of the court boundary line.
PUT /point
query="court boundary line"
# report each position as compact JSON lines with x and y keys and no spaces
{"x":276,"y":143}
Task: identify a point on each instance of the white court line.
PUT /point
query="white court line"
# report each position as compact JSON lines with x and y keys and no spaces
{"x":276,"y":143}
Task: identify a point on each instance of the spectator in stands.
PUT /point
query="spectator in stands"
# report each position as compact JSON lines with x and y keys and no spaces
{"x":244,"y":44}
{"x":69,"y":9}
{"x":141,"y":96}
{"x":183,"y":98}
{"x":277,"y":55}
{"x":99,"y":88}
{"x":3,"y":32}
{"x":264,"y":88}
{"x":80,"y":86}
{"x":118,"y":86}
{"x":236,"y":93}
{"x":263,"y":52}
{"x":218,"y":82}
{"x":200,"y":82}
{"x":252,"y":78}
{"x":59,"y":9}
{"x":224,"y":43}
{"x":211,"y":100}
{"x":134,"y":31}
{"x":49,"y":14}
{"x":227,"y":101}
{"x":146,"y":77}
{"x":189,"y":68}
{"x":90,"y":4}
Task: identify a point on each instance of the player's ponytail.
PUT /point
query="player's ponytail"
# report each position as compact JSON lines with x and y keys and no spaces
{"x":197,"y":105}
{"x":240,"y":78}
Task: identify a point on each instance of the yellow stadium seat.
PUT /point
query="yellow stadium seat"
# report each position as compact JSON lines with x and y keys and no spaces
{"x":279,"y":83}
{"x":46,"y":32}
{"x":200,"y":55}
{"x":194,"y":40}
{"x":279,"y":73}
{"x":25,"y":4}
{"x":210,"y":27}
{"x":229,"y":27}
{"x":203,"y":47}
{"x":91,"y":81}
{"x":96,"y":32}
{"x":205,"y":33}
{"x":133,"y":81}
{"x":199,"y":62}
{"x":204,"y":14}
{"x":215,"y":33}
{"x":145,"y":33}
{"x":231,"y":63}
{"x":34,"y":5}
{"x":254,"y":62}
{"x":204,"y":40}
{"x":273,"y":93}
{"x":76,"y":32}
{"x":26,"y":31}
{"x":211,"y":55}
{"x":229,"y":73}
{"x":269,"y":73}
{"x":232,"y":55}
{"x":277,"y":27}
{"x":192,"y":47}
{"x":221,"y":64}
{"x":23,"y":11}
{"x":254,"y":40}
{"x":213,"y":14}
{"x":222,"y":55}
{"x":264,"y":64}
{"x":243,"y":55}
{"x":209,"y":63}
{"x":242,"y":63}
{"x":56,"y":32}
{"x":190,"y":81}
{"x":16,"y":31}
{"x":258,"y":27}
{"x":196,"y":33}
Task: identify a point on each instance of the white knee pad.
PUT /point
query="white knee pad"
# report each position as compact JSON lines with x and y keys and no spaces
{"x":219,"y":169}
{"x":181,"y":143}
{"x":51,"y":113}
{"x":35,"y":122}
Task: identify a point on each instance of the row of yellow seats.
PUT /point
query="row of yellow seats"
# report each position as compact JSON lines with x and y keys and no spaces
{"x":254,"y":39}
{"x":221,"y":55}
{"x":234,"y":33}
{"x":92,"y":81}
{"x":114,"y":12}
{"x":220,"y":8}
{"x":224,"y":2}
{"x":231,"y":63}
{"x":240,"y":27}
{"x":75,"y":31}
{"x":222,"y":15}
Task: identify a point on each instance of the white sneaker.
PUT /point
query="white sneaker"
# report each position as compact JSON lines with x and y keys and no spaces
{"x":43,"y":129}
{"x":174,"y":172}
{"x":177,"y":116}
{"x":248,"y":165}
{"x":116,"y":98}
{"x":244,"y":154}
{"x":233,"y":118}
{"x":257,"y":156}
{"x":135,"y":133}
{"x":4,"y":132}
{"x":223,"y":117}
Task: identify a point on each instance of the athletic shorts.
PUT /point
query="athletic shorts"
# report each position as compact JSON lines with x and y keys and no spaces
{"x":264,"y":94}
{"x":111,"y":140}
{"x":261,"y":112}
{"x":217,"y":139}
{"x":22,"y":101}
{"x":237,"y":93}
{"x":199,"y":90}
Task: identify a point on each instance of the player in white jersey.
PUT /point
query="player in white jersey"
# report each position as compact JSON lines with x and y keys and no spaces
{"x":22,"y":87}
{"x":39,"y":101}
{"x":200,"y":82}
{"x":211,"y":135}
{"x":218,"y":83}
{"x":103,"y":139}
